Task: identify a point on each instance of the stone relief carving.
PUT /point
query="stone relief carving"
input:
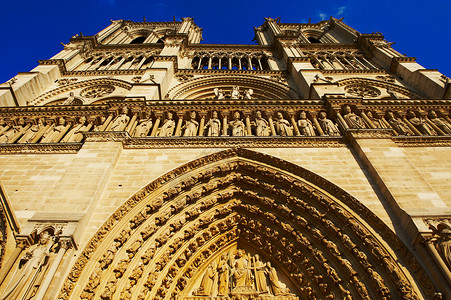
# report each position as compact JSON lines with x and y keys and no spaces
{"x":191,"y":126}
{"x":352,"y":120}
{"x":363,"y":91}
{"x":167,"y":129}
{"x":97,"y":91}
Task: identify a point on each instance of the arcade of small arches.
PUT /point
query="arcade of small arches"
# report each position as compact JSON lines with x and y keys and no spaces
{"x":229,"y":61}
{"x":125,"y":61}
{"x":340,"y":60}
{"x":232,"y":210}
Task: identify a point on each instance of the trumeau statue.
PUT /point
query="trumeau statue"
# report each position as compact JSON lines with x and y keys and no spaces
{"x":191,"y":125}
{"x":439,"y":122}
{"x":420,"y":124}
{"x":168,"y":127}
{"x":237,"y":125}
{"x":261,"y":125}
{"x":328,"y":127}
{"x":213,"y":125}
{"x":283,"y":127}
{"x":305,"y":125}
{"x":353,"y":120}
{"x":121,"y":121}
{"x":143,"y":127}
{"x":30,"y":270}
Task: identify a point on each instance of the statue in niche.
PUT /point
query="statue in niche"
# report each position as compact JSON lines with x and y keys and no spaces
{"x":75,"y":135}
{"x":73,"y":100}
{"x":191,"y":125}
{"x":121,"y":120}
{"x":305,"y":125}
{"x":11,"y":135}
{"x":99,"y":126}
{"x":241,"y":273}
{"x":55,"y":133}
{"x":275,"y":286}
{"x":441,"y":239}
{"x":261,"y":125}
{"x":353,"y":120}
{"x":283,"y":127}
{"x":143,"y":127}
{"x":439,"y":122}
{"x":219,"y":94}
{"x":420,"y":124}
{"x":235,"y":92}
{"x":32,"y":131}
{"x":259,"y":274}
{"x":248,"y":94}
{"x":328,"y":127}
{"x":168,"y":126}
{"x":398,"y":125}
{"x":378,"y":123}
{"x":237,"y":125}
{"x":207,"y":284}
{"x":30,"y":270}
{"x":223,"y":276}
{"x":213,"y":125}
{"x":3,"y":126}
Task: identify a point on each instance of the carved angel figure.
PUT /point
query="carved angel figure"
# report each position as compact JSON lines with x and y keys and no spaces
{"x":213,"y":125}
{"x":73,"y":100}
{"x":209,"y":278}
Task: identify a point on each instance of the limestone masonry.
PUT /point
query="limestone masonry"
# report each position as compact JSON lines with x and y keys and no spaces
{"x":140,"y":164}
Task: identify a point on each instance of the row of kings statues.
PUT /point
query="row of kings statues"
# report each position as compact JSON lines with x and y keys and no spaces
{"x":257,"y":123}
{"x":239,"y":273}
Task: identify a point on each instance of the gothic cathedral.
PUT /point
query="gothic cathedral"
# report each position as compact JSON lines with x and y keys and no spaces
{"x":141,"y":164}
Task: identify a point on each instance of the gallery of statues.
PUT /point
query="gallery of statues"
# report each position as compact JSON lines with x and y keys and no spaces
{"x":139,"y":163}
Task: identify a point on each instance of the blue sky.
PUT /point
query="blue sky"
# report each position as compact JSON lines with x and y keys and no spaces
{"x":33,"y":30}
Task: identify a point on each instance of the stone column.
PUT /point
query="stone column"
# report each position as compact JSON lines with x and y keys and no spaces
{"x":341,"y":121}
{"x":293,"y":123}
{"x":444,"y":268}
{"x":368,"y":121}
{"x":64,"y":245}
{"x":413,"y":128}
{"x":179,"y":123}
{"x":316,"y":123}
{"x":202,"y":123}
{"x":106,"y":126}
{"x":131,"y":123}
{"x":248,"y":122}
{"x":271,"y":123}
{"x":20,"y":245}
{"x":224,"y":114}
{"x":159,"y":115}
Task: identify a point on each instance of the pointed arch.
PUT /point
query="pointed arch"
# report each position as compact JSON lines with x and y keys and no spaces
{"x":323,"y":241}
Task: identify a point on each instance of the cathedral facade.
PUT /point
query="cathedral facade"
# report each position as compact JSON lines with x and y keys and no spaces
{"x":139,"y":163}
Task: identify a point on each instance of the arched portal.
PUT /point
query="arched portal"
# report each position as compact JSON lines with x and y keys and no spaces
{"x":246,"y":212}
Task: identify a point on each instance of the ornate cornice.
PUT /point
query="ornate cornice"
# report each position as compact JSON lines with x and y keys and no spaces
{"x":40,"y":148}
{"x":370,"y":133}
{"x":423,"y":141}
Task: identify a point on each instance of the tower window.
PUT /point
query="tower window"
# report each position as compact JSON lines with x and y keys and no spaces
{"x":313,"y":40}
{"x":138,"y":40}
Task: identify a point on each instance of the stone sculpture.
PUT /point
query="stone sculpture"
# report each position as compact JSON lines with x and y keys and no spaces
{"x":191,"y":125}
{"x":213,"y":125}
{"x":168,"y":127}
{"x":121,"y":121}
{"x":283,"y":127}
{"x":353,"y":120}
{"x":237,"y":125}
{"x":305,"y":125}
{"x":261,"y":125}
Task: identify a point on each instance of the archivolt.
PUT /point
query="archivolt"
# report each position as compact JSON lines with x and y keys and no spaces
{"x":326,"y":242}
{"x":41,"y":100}
{"x":203,"y":88}
{"x":382,"y":84}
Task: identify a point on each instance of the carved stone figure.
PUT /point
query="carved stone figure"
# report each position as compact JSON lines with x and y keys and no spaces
{"x":237,"y":125}
{"x":53,"y":135}
{"x":248,"y":94}
{"x":30,"y":270}
{"x":223,"y":276}
{"x":219,"y":93}
{"x":275,"y":286}
{"x":73,"y":100}
{"x":235,"y":92}
{"x":283,"y":127}
{"x":213,"y":125}
{"x":206,"y":286}
{"x":74,"y":135}
{"x":376,"y":122}
{"x":11,"y":135}
{"x":261,"y":125}
{"x":353,"y":120}
{"x":305,"y":125}
{"x":420,"y":123}
{"x":3,"y":126}
{"x":328,"y":127}
{"x":32,"y":131}
{"x":259,"y":274}
{"x":191,"y":125}
{"x":99,"y":126}
{"x":121,"y":121}
{"x":143,"y":127}
{"x":398,"y":125}
{"x":439,"y":122}
{"x":241,"y":273}
{"x":168,"y":126}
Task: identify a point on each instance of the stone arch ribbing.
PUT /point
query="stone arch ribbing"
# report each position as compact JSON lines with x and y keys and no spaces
{"x":325,"y":240}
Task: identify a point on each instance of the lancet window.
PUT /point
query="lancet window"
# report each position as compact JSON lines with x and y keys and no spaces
{"x":223,"y":61}
{"x":340,"y":60}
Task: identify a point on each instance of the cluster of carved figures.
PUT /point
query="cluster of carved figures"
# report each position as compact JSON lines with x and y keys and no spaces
{"x":240,"y":273}
{"x":168,"y":243}
{"x":217,"y":123}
